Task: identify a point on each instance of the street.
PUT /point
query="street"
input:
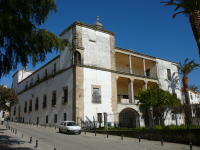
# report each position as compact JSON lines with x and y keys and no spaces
{"x":48,"y":139}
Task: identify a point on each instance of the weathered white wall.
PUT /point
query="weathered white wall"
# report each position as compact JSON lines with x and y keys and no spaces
{"x":167,"y":85}
{"x":100,"y":78}
{"x":66,"y":55}
{"x":57,"y":83}
{"x":97,"y":48}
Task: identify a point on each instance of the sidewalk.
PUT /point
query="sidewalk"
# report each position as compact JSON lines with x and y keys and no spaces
{"x":9,"y":141}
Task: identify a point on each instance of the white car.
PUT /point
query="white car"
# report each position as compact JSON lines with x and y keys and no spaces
{"x":69,"y":127}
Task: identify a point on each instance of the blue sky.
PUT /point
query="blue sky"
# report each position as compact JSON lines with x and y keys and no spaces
{"x":144,"y":26}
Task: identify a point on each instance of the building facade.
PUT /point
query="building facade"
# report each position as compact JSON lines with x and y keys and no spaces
{"x":93,"y":78}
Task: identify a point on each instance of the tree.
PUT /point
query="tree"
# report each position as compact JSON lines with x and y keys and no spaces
{"x":186,"y":69}
{"x":8,"y":97}
{"x":160,"y":100}
{"x":190,"y":8}
{"x":194,"y":88}
{"x":21,"y":42}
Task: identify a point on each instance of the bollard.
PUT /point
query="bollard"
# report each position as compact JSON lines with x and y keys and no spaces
{"x":45,"y":125}
{"x":50,"y":126}
{"x":139,"y":138}
{"x":36,"y":146}
{"x":30,"y":139}
{"x":162,"y":142}
{"x":22,"y":135}
{"x":107,"y":134}
{"x":16,"y":131}
{"x":41,"y":125}
{"x":13,"y":130}
{"x":55,"y":127}
{"x":85,"y":131}
{"x":37,"y":125}
{"x":55,"y":149}
{"x":190,"y":145}
{"x":95,"y":133}
{"x":122,"y":136}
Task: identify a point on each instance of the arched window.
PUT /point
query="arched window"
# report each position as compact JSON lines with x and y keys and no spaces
{"x":77,"y":58}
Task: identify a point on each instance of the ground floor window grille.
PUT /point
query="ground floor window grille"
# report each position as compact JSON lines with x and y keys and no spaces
{"x":46,"y":119}
{"x":55,"y":118}
{"x":99,"y":117}
{"x":96,"y":95}
{"x":65,"y":116}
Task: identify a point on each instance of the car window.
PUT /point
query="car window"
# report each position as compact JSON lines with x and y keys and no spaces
{"x":61,"y":123}
{"x":65,"y":124}
{"x":71,"y":124}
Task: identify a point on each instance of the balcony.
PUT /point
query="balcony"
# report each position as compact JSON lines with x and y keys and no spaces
{"x":36,"y":107}
{"x":96,"y":98}
{"x":44,"y":105}
{"x":53,"y":102}
{"x":25,"y":109}
{"x":77,"y":62}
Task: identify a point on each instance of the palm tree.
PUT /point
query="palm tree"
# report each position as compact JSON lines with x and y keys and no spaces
{"x":186,"y":69}
{"x":190,"y":8}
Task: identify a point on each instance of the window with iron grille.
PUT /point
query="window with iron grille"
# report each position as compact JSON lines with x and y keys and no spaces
{"x":169,"y":74}
{"x":36,"y":103}
{"x":96,"y":95}
{"x":47,"y":119}
{"x":65,"y":97}
{"x":55,"y":118}
{"x":25,"y":108}
{"x":44,"y":101}
{"x":99,"y":117}
{"x":65,"y":116}
{"x":53,"y":101}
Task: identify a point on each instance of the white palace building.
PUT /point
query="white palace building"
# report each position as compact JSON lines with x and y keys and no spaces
{"x":95,"y":77}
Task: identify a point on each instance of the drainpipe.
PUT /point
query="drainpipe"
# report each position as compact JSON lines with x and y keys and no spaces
{"x":144,"y":67}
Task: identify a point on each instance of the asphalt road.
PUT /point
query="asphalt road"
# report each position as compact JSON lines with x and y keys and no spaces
{"x":48,"y":139}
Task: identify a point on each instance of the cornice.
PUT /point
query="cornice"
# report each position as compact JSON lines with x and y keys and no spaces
{"x":82,"y":24}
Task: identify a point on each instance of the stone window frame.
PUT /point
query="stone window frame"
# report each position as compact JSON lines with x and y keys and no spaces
{"x":45,"y":95}
{"x":63,"y":94}
{"x":99,"y":87}
{"x":169,"y":75}
{"x":53,"y":97}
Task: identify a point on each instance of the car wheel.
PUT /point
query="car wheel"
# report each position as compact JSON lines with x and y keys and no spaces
{"x":79,"y":132}
{"x":67,"y":132}
{"x":59,"y":130}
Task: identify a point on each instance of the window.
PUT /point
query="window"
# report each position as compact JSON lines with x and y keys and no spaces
{"x":30,"y":105}
{"x":191,"y":96}
{"x":46,"y":119}
{"x":45,"y":74}
{"x":44,"y":101}
{"x":55,"y":118}
{"x":99,"y":117}
{"x":65,"y":116}
{"x":25,"y":108}
{"x":26,"y":85}
{"x":53,"y":98}
{"x":65,"y":97}
{"x":36,"y":103}
{"x":37,"y":78}
{"x":169,"y":74}
{"x":96,"y":95}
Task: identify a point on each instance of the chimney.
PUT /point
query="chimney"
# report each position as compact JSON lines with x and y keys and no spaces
{"x":5,"y":85}
{"x":24,"y":68}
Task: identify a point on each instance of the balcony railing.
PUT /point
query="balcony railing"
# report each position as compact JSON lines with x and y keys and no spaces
{"x":25,"y":109}
{"x":96,"y":98}
{"x":44,"y":105}
{"x":36,"y":106}
{"x":53,"y":102}
{"x":30,"y":108}
{"x":77,"y":62}
{"x":124,"y":69}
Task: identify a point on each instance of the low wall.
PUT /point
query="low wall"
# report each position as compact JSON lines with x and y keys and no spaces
{"x":175,"y":136}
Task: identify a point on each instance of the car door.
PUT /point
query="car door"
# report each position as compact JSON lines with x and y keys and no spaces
{"x":61,"y":126}
{"x":64,"y":127}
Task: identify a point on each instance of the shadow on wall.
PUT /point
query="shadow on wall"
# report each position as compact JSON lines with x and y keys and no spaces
{"x":173,"y":83}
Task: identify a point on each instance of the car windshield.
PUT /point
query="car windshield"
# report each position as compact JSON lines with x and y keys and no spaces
{"x":71,"y":124}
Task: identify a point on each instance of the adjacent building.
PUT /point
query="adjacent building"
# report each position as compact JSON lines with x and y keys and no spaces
{"x":93,"y":78}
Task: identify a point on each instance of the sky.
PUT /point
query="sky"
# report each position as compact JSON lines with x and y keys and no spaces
{"x":141,"y":25}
